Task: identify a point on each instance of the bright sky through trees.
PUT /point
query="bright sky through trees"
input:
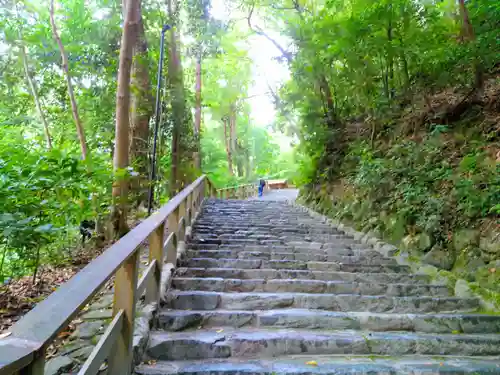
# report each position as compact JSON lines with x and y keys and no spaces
{"x":266,"y":70}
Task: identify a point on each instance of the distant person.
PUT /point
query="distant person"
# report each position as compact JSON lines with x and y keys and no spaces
{"x":262,"y":184}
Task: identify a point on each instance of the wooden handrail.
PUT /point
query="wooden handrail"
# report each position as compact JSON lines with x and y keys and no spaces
{"x":239,"y":191}
{"x":23,"y":350}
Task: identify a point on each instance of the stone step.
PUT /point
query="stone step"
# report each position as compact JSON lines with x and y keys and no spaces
{"x":254,"y":343}
{"x":290,"y":264}
{"x":352,"y":249}
{"x":284,"y":247}
{"x":318,"y":256}
{"x":301,"y":252}
{"x":306,"y":286}
{"x":177,"y":320}
{"x":327,"y":365}
{"x":200,"y":300}
{"x":240,"y":273}
{"x":256,"y":227}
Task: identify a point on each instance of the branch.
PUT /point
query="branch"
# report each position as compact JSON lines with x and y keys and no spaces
{"x":35,"y":94}
{"x":282,"y":8}
{"x":32,"y":85}
{"x":256,"y":29}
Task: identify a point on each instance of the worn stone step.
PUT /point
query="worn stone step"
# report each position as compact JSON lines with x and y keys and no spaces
{"x":177,"y":320}
{"x":306,"y":286}
{"x":327,"y":365}
{"x":199,"y":300}
{"x":253,"y":343}
{"x":254,"y":227}
{"x":317,"y":255}
{"x":339,"y":251}
{"x":240,"y":273}
{"x":291,"y":264}
{"x":283,"y":246}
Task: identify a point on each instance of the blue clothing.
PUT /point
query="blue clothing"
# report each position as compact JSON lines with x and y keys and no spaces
{"x":261,"y":189}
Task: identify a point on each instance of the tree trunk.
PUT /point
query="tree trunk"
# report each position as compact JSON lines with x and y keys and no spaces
{"x":141,"y":104}
{"x":240,"y":157}
{"x":469,"y":36}
{"x":121,"y":156}
{"x":335,"y":145}
{"x":232,"y":128}
{"x":404,"y":67}
{"x":467,"y":29}
{"x":390,"y":56}
{"x":176,"y":88}
{"x":227,"y":143}
{"x":197,"y":115}
{"x":65,"y":67}
{"x":34,"y":92}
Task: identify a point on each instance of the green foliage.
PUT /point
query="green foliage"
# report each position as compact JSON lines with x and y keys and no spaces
{"x":44,"y":195}
{"x":422,"y":185}
{"x":358,"y":63}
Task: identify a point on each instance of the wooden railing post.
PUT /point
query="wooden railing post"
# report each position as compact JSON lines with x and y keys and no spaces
{"x":189,"y":209}
{"x":172,"y":222}
{"x":155,"y":254}
{"x":120,"y":359}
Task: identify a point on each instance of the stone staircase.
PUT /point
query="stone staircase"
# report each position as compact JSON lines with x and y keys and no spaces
{"x":264,"y":288}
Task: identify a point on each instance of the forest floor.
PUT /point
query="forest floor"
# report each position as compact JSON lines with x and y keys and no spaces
{"x":17,"y":297}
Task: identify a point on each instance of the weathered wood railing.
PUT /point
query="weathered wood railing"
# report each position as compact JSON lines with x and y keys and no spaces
{"x":23,"y":350}
{"x":239,"y":192}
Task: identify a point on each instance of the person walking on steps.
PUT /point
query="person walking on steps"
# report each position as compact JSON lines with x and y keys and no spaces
{"x":262,"y":184}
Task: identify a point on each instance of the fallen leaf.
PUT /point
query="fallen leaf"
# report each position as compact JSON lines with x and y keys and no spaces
{"x":312,"y":363}
{"x":64,"y":334}
{"x":219,"y":330}
{"x":4,"y":335}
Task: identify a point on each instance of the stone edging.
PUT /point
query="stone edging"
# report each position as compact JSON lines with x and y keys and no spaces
{"x":389,"y":250}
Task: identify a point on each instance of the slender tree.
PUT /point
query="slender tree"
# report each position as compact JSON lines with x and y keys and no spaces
{"x":65,"y":66}
{"x":469,"y":36}
{"x":141,"y":104}
{"x":197,"y":113}
{"x":121,"y":154}
{"x":177,"y":100}
{"x":227,"y":143}
{"x":34,"y":93}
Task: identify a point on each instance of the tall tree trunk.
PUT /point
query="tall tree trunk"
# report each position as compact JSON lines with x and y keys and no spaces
{"x":390,"y":56}
{"x":141,"y":104}
{"x":121,"y":156}
{"x":197,"y":114}
{"x":177,"y":91}
{"x":65,"y":67}
{"x":227,"y":143}
{"x":34,"y":92}
{"x":240,"y":157}
{"x":404,"y":67}
{"x":335,"y":145}
{"x":467,"y":29}
{"x":469,"y":36}
{"x":232,"y":128}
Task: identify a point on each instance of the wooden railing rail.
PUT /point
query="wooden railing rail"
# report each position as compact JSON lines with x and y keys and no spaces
{"x":238,"y":192}
{"x":23,"y":350}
